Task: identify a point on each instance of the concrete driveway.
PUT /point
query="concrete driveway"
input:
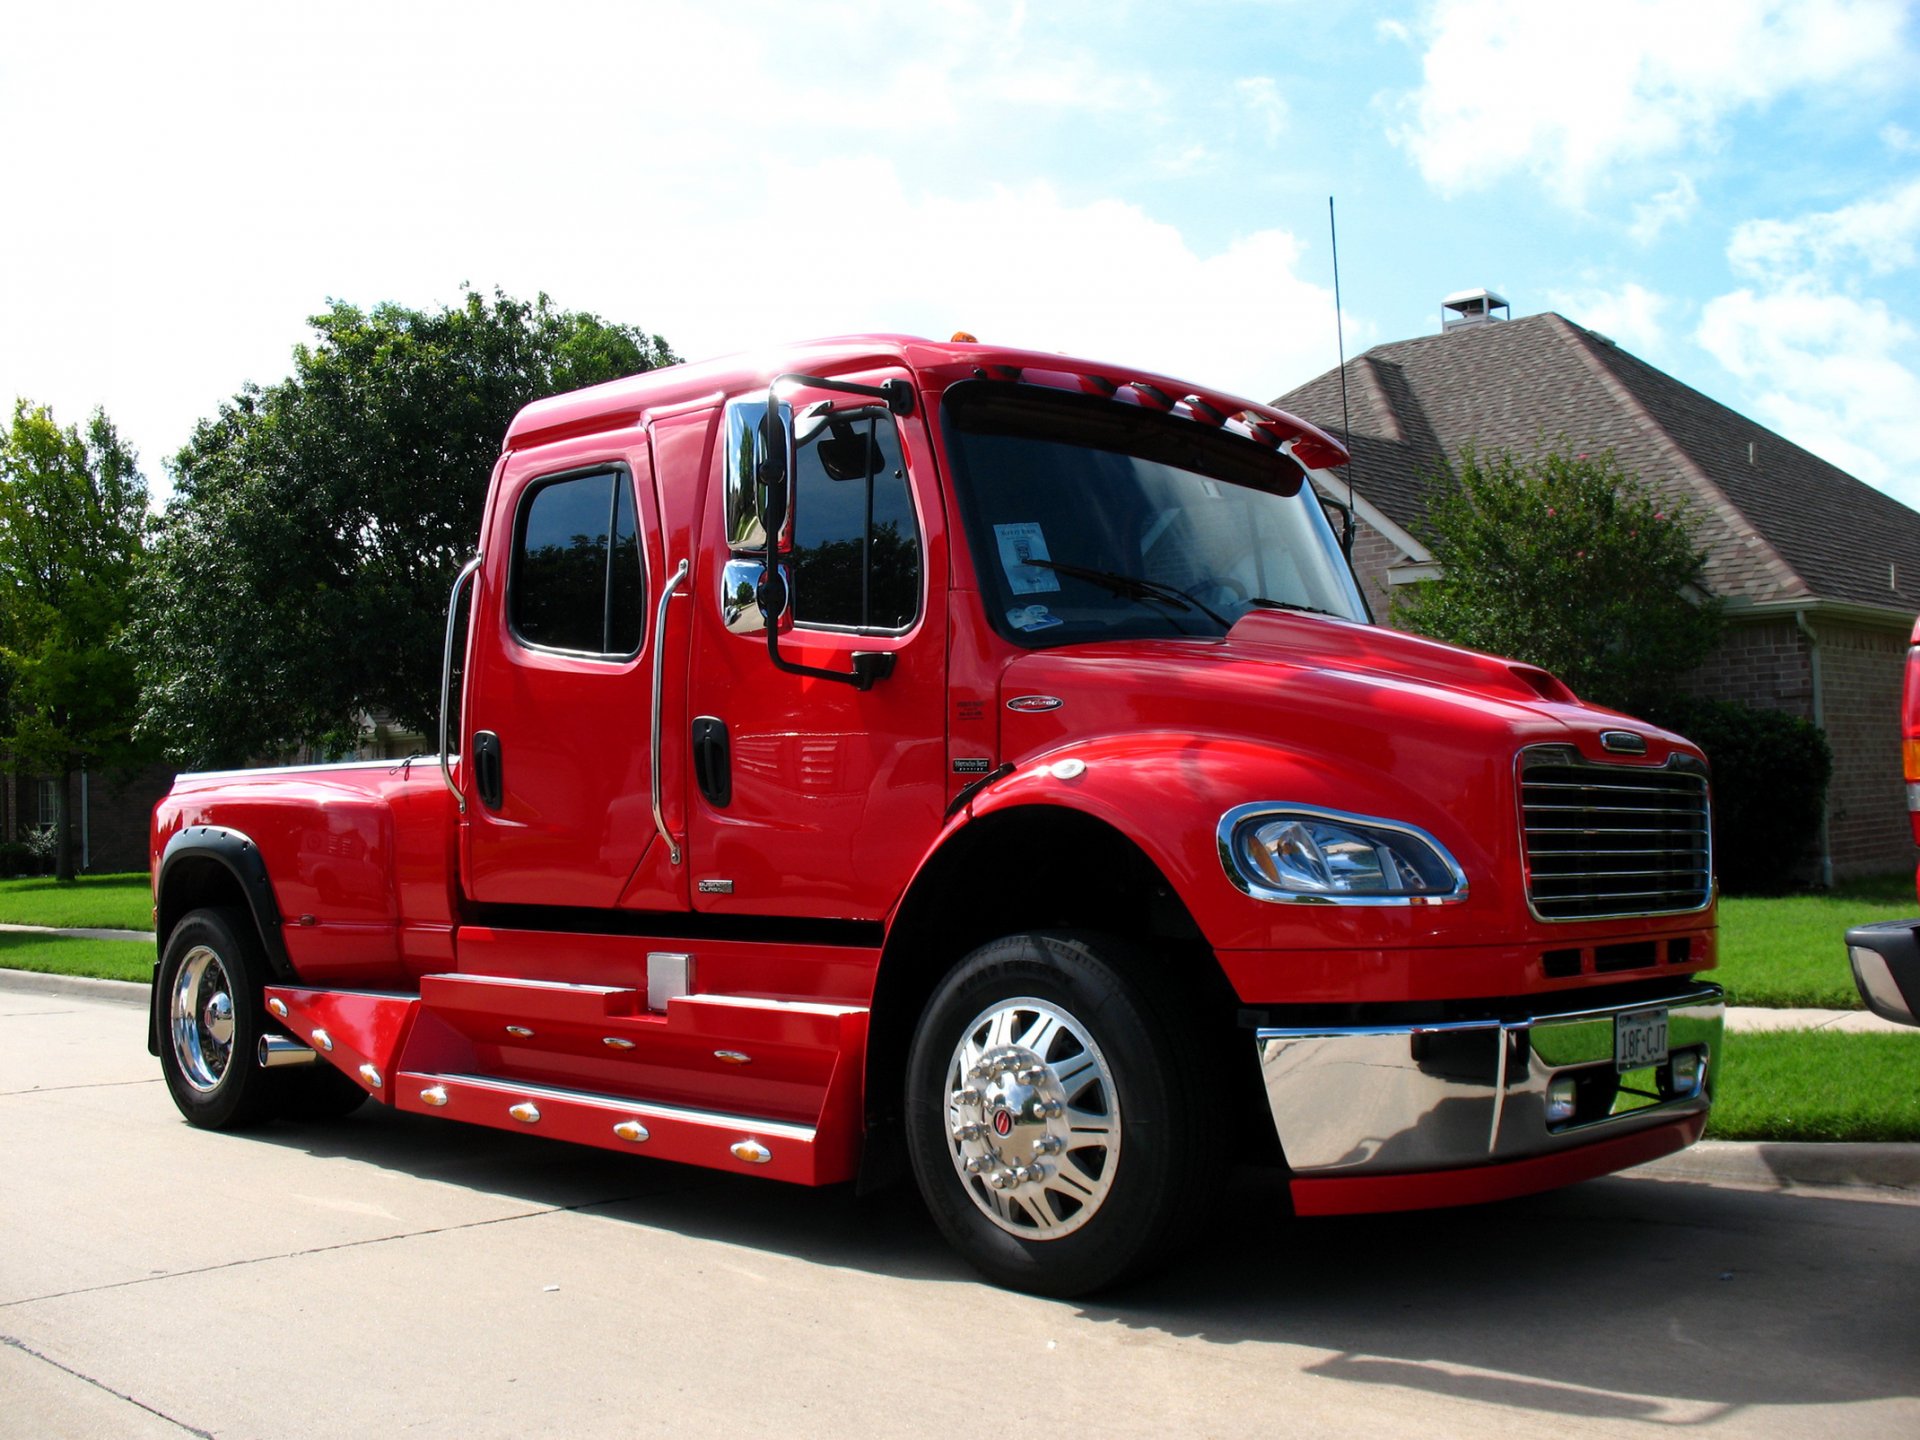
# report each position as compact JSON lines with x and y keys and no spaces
{"x":392,"y":1275}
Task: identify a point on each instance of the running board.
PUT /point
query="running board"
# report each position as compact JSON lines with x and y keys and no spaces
{"x":745,"y":1143}
{"x":713,"y":1071}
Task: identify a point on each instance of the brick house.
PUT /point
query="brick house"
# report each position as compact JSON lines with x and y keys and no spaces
{"x":1819,"y":571}
{"x":111,"y":809}
{"x":108,"y":811}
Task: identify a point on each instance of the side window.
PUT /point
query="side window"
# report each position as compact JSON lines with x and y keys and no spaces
{"x":577,"y":583}
{"x":856,"y":540}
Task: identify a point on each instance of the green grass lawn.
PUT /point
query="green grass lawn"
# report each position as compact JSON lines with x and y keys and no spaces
{"x":1817,"y":1085}
{"x":1786,"y":951}
{"x":108,"y":902}
{"x":64,"y":955}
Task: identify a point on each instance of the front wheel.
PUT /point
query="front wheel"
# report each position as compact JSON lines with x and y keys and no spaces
{"x":211,"y":1021}
{"x":1056,"y":1115}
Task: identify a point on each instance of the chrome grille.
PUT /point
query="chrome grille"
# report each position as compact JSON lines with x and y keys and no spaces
{"x":1612,"y":840}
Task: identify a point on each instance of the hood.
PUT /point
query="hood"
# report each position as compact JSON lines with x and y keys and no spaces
{"x":1311,"y":683}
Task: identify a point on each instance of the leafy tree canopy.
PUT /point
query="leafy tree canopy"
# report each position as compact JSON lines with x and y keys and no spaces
{"x":300,"y":574}
{"x":1570,"y":563}
{"x":73,"y":524}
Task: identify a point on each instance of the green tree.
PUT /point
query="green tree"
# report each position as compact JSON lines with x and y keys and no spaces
{"x":1570,"y":563}
{"x":73,"y":524}
{"x":300,"y":573}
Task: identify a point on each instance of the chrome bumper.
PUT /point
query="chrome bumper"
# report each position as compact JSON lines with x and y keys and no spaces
{"x":1886,"y":968}
{"x":1395,"y":1099}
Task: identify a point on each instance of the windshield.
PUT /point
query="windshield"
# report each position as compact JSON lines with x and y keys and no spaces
{"x":1092,"y":520}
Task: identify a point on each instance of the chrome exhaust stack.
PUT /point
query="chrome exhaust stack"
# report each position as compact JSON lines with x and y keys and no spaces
{"x":278,"y":1050}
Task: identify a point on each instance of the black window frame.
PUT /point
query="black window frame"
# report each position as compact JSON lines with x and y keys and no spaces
{"x":622,"y":474}
{"x":789,"y":558}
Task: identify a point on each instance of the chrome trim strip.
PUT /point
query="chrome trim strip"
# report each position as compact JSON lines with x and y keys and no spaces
{"x":1256,"y":887}
{"x":327,"y":765}
{"x":467,"y":572}
{"x":659,"y":672}
{"x":646,"y":1109}
{"x":514,"y":982}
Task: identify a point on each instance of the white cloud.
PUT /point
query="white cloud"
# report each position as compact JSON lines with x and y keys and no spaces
{"x":1899,"y":139}
{"x":1569,"y":91}
{"x":1836,"y":374}
{"x":1669,"y":207}
{"x":1021,"y":265}
{"x":253,"y":161}
{"x":1881,"y":233}
{"x":1260,"y":95}
{"x":1630,"y":315}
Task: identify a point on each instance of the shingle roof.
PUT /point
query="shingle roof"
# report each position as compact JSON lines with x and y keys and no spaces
{"x":1777,"y":522}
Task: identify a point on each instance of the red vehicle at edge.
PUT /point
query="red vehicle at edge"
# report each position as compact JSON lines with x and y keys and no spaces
{"x":1885,"y":956}
{"x":887,"y":751}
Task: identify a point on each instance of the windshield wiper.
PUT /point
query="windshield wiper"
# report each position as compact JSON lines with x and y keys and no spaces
{"x":1133,"y":587}
{"x":1261,"y":602}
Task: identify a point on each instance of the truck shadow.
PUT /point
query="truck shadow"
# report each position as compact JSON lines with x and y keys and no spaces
{"x":1623,"y":1298}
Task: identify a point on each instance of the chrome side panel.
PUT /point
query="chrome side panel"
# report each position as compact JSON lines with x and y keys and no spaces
{"x":1405,"y":1098}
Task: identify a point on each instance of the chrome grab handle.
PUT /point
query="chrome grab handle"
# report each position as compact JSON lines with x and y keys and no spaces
{"x":446,"y":676}
{"x":659,"y":669}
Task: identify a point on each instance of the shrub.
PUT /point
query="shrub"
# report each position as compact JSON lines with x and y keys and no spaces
{"x":31,"y":854}
{"x":1770,"y":773}
{"x":1565,"y":560}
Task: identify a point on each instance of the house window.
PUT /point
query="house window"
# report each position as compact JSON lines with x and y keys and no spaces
{"x":48,"y":802}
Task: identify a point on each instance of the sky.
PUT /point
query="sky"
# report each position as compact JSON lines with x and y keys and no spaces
{"x":1729,"y":190}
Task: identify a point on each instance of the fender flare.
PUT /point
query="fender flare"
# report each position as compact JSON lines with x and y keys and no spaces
{"x":236,"y":853}
{"x":240,"y":857}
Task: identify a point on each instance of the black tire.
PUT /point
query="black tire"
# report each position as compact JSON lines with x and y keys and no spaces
{"x":207,"y":1044}
{"x":1108,"y":1184}
{"x":317,"y":1093}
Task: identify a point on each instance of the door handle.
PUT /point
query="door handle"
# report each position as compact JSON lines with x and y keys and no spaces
{"x":713,"y":761}
{"x":487,"y":777}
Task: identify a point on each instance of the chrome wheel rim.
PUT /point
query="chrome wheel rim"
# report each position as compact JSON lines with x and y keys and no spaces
{"x":1033,"y":1119}
{"x":202,"y":1019}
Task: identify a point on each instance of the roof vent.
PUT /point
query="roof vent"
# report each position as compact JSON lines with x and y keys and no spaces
{"x":1472,"y":307}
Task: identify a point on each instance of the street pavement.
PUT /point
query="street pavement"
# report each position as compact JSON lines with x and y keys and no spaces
{"x":390,"y":1274}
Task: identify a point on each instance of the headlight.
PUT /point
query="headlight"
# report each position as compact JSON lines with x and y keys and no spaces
{"x":1303,"y":854}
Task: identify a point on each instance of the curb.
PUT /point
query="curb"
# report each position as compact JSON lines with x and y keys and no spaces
{"x":112,"y":992}
{"x":1784,"y":1165}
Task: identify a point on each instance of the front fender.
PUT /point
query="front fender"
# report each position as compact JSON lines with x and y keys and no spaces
{"x":1166,"y":793}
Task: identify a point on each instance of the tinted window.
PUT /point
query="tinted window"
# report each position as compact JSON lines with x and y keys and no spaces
{"x":1096,"y":520}
{"x":856,"y":541}
{"x":577,"y":582}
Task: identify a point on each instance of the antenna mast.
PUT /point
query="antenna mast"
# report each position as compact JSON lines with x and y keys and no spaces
{"x":1346,"y":425}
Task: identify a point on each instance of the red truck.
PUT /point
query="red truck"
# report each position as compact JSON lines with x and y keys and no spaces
{"x":882,"y":752}
{"x":1885,"y":955}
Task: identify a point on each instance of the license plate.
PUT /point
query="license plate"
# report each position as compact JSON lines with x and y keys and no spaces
{"x":1639,"y":1040}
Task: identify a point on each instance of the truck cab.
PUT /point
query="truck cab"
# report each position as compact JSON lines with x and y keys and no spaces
{"x":888,"y":754}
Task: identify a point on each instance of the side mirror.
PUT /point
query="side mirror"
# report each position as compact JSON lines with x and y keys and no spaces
{"x":759,"y":472}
